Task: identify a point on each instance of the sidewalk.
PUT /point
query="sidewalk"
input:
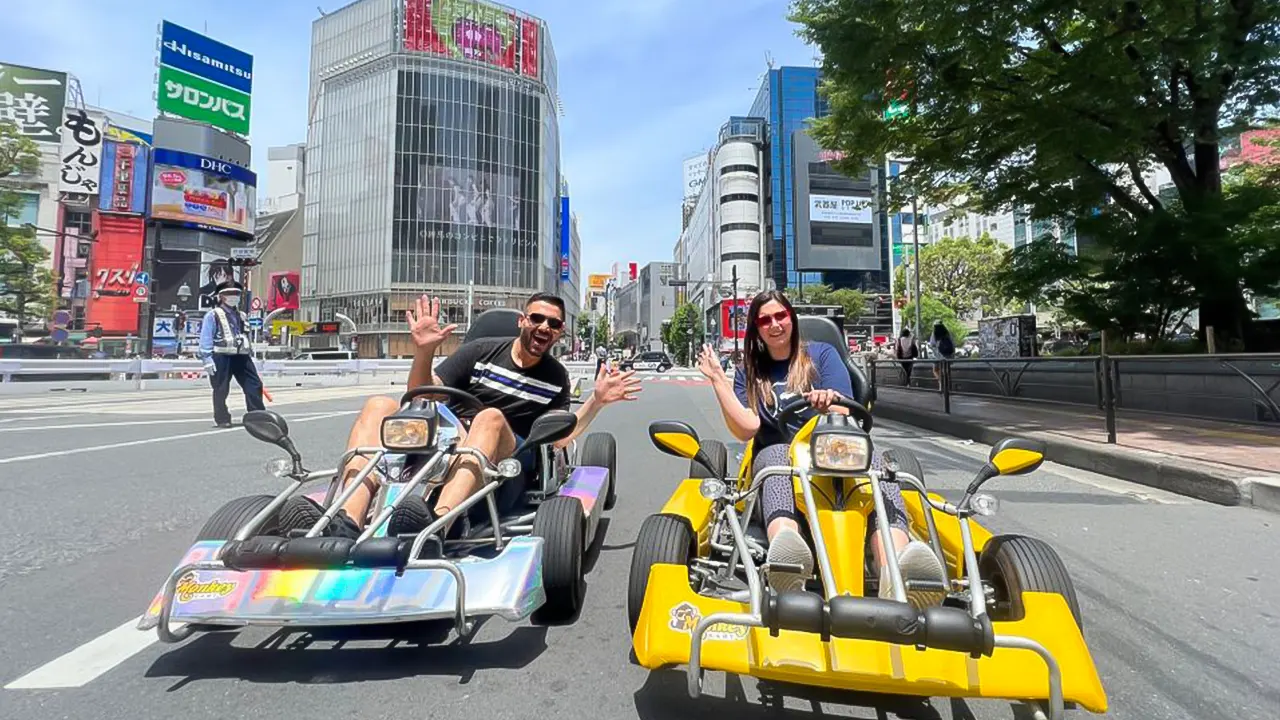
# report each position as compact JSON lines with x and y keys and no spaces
{"x":1225,"y":463}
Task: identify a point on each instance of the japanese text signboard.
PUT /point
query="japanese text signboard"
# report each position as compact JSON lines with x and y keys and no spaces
{"x":204,"y":80}
{"x":33,"y":100}
{"x":81,"y":152}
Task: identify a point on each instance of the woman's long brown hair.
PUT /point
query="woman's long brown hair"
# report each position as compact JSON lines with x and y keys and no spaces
{"x":756,"y":358}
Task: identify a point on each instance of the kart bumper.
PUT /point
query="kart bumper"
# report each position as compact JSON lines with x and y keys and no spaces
{"x":201,"y":591}
{"x":672,"y":612}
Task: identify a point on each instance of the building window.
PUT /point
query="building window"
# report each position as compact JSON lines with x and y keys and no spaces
{"x":740,"y":197}
{"x":737,"y":168}
{"x":730,"y":257}
{"x":730,"y":227}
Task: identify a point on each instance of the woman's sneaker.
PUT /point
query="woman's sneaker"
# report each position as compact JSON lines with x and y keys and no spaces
{"x":789,"y":548}
{"x":917,"y":561}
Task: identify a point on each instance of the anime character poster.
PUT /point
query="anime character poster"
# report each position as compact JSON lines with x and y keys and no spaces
{"x":283,"y":293}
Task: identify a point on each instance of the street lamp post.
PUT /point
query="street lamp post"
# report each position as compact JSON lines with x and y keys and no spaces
{"x":734,"y":315}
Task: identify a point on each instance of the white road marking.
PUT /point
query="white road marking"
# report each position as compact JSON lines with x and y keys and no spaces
{"x":148,"y":441}
{"x":85,"y":663}
{"x":128,"y":423}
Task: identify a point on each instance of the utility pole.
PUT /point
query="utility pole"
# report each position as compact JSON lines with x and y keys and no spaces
{"x":915,"y":241}
{"x":734,"y":314}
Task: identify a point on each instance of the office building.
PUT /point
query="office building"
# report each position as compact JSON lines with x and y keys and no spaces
{"x":822,"y":227}
{"x":645,"y":305}
{"x":433,"y":165}
{"x":286,"y":179}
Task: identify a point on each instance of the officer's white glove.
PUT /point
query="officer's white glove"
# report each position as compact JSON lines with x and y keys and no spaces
{"x":210,"y":368}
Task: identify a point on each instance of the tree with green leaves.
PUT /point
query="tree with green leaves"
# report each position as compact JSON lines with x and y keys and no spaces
{"x":26,"y":282}
{"x":1063,"y":109}
{"x":854,"y":302}
{"x":602,"y":332}
{"x":684,"y":333}
{"x":961,"y":274}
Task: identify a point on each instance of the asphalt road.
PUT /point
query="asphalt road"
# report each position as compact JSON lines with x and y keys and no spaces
{"x":1179,"y":597}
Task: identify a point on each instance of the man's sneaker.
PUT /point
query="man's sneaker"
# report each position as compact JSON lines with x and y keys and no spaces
{"x":917,"y":561}
{"x":412,"y":515}
{"x":789,"y":548}
{"x":300,"y":513}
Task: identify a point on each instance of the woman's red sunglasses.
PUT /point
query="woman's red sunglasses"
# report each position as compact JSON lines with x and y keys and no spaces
{"x":767,"y":320}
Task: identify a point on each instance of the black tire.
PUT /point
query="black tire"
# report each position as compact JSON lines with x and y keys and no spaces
{"x":601,"y":450}
{"x":1014,"y":564}
{"x":719,"y":456}
{"x":907,"y":462}
{"x":560,"y":523}
{"x":663,"y":540}
{"x":227,"y":521}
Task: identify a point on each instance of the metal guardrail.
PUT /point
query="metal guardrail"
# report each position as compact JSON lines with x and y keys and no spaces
{"x":1239,"y":388}
{"x":139,"y":370}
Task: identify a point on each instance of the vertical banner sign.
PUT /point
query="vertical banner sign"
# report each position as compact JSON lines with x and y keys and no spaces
{"x":124,"y":178}
{"x":33,"y":100}
{"x":81,"y":152}
{"x":565,"y":219}
{"x":203,"y":80}
{"x":117,"y":260}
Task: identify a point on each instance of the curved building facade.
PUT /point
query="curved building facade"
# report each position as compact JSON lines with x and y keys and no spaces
{"x":433,"y":164}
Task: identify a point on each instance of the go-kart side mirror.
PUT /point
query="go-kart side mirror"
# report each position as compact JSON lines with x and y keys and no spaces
{"x":553,"y":426}
{"x":678,"y":439}
{"x":270,"y":427}
{"x":1017,"y":456}
{"x":1011,"y":456}
{"x":266,"y":425}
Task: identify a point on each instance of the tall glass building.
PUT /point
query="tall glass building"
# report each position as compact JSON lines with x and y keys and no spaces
{"x":789,"y":98}
{"x":433,"y":164}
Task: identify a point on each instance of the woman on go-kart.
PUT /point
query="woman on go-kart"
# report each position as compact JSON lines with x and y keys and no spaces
{"x":777,"y":367}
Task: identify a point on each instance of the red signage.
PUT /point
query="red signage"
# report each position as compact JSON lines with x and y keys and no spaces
{"x":633,"y":269}
{"x":284,"y":291}
{"x":728,"y":328}
{"x":117,"y":260}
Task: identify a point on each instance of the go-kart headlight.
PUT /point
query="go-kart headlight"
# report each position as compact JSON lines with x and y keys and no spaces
{"x":713,"y":489}
{"x":406,"y":434}
{"x":841,"y":451}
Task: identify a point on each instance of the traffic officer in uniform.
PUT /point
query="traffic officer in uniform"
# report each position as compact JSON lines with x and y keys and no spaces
{"x":227,"y":353}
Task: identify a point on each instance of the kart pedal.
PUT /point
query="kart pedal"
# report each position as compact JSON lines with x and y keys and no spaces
{"x":789,"y":568}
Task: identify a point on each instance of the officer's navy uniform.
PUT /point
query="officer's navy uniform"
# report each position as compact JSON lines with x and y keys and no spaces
{"x":227,"y":352}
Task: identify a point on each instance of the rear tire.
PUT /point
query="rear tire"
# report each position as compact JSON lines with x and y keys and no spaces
{"x":719,"y":456}
{"x":663,"y":540}
{"x":560,"y":523}
{"x":227,"y":521}
{"x":601,"y":450}
{"x":1014,"y":564}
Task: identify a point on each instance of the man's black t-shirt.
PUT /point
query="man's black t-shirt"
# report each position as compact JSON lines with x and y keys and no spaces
{"x":485,"y":369}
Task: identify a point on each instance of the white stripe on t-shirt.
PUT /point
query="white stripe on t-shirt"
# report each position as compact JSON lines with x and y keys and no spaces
{"x":514,"y":392}
{"x":495,"y":369}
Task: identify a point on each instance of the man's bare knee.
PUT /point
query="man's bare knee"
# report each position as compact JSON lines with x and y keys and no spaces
{"x":487,"y":421}
{"x":380,"y":406}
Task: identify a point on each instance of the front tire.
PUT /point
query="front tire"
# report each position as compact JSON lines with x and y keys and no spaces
{"x":561,"y":523}
{"x":1014,"y":564}
{"x":228,"y":519}
{"x":601,"y":450}
{"x":663,"y":540}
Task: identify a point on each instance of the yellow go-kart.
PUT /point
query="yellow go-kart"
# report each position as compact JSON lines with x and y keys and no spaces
{"x":1008,"y":628}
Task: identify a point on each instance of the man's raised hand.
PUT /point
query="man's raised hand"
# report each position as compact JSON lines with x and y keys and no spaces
{"x":612,"y":386}
{"x":424,"y":323}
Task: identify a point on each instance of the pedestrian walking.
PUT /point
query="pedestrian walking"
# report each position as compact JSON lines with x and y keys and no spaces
{"x":227,"y":353}
{"x":906,"y":352}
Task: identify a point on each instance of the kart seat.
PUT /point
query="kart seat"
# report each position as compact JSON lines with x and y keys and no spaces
{"x":495,"y":323}
{"x":821,"y":329}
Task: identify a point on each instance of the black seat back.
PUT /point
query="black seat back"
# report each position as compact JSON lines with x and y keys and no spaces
{"x":821,"y":329}
{"x":495,"y":323}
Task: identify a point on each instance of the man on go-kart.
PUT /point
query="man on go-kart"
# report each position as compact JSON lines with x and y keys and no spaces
{"x":517,"y":380}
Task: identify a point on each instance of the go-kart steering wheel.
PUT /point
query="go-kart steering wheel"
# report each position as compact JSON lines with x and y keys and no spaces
{"x":462,"y":396}
{"x":793,"y":407}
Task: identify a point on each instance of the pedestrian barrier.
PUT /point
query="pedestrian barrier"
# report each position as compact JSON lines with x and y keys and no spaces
{"x":1241,"y":388}
{"x":41,"y":375}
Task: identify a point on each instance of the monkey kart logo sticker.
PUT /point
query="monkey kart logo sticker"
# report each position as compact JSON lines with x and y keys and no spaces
{"x":191,"y":588}
{"x":685,"y":619}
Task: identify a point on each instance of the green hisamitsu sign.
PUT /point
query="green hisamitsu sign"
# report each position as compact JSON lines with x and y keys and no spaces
{"x":195,"y":98}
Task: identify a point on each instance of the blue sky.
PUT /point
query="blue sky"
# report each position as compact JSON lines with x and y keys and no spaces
{"x":645,"y":83}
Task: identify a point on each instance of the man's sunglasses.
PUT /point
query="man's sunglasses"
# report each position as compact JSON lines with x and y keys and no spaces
{"x":539,"y":318}
{"x":765,"y":321}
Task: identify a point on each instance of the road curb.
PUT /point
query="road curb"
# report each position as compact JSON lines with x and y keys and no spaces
{"x":1217,"y":484}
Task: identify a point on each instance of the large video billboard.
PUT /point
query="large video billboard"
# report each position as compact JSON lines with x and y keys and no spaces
{"x":840,"y":209}
{"x":202,"y":193}
{"x":34,"y":100}
{"x":461,"y":196}
{"x":471,"y":30}
{"x":204,"y":80}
